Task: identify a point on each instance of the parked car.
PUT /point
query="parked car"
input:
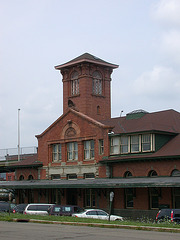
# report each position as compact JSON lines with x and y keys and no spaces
{"x":172,"y":215}
{"x":19,"y":208}
{"x":97,"y":214}
{"x":37,"y":208}
{"x":6,"y":206}
{"x":66,"y":210}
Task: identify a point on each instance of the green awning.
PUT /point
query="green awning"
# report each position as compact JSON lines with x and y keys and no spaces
{"x":139,"y":182}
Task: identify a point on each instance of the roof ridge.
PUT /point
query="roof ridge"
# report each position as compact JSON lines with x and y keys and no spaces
{"x":90,"y":119}
{"x":86,"y":57}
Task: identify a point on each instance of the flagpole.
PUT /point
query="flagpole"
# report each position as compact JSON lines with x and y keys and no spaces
{"x":19,"y":134}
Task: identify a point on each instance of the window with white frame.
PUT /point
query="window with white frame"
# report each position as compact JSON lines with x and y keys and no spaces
{"x":124,"y":144}
{"x":89,"y":149}
{"x":74,"y":83}
{"x":146,"y":142}
{"x":132,"y":143}
{"x":97,"y":83}
{"x":101,"y":146}
{"x":56,"y":152}
{"x":135,"y":143}
{"x":72,"y":151}
{"x":115,"y":147}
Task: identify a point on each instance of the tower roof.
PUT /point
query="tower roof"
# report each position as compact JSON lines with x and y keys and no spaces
{"x":86,"y":57}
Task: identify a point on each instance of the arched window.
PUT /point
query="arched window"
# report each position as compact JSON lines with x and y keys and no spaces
{"x":74,"y":83}
{"x":175,"y":173}
{"x":71,"y":104}
{"x":21,"y":178}
{"x":97,"y":83}
{"x":30,"y":177}
{"x":152,"y":173}
{"x":127,"y":174}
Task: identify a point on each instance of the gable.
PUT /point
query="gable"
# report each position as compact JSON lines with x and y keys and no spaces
{"x":71,"y":125}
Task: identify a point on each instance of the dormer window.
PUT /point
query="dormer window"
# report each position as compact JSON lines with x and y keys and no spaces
{"x":135,"y":143}
{"x":124,"y":145}
{"x":127,"y":144}
{"x":97,"y":83}
{"x":75,"y":83}
{"x":146,"y":142}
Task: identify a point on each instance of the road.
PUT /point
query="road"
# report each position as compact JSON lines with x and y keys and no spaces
{"x":37,"y":231}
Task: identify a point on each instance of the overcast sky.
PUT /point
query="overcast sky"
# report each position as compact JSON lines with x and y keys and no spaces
{"x":141,"y":36}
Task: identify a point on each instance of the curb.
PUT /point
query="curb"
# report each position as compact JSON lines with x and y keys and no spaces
{"x":145,"y":228}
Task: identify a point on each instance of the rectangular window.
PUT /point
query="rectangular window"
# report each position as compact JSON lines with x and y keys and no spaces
{"x":154,"y":198}
{"x":146,"y":142}
{"x":101,"y":147}
{"x":90,"y":198}
{"x":97,"y":86}
{"x":135,"y":143}
{"x":75,"y":87}
{"x":72,"y":176}
{"x":124,"y":146}
{"x":115,"y":149}
{"x":89,"y":149}
{"x":89,"y":176}
{"x":129,"y":194}
{"x":176,"y":197}
{"x":131,"y":144}
{"x":72,"y":151}
{"x":56,"y":152}
{"x":55,"y":176}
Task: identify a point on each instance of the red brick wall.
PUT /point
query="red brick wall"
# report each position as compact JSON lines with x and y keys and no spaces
{"x":86,"y":102}
{"x":85,"y":130}
{"x":26,"y":172}
{"x":139,"y":169}
{"x":10,"y":176}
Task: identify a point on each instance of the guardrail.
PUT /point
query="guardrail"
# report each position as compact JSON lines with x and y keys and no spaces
{"x":8,"y":153}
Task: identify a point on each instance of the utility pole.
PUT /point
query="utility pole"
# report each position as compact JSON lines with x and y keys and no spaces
{"x":19,"y":134}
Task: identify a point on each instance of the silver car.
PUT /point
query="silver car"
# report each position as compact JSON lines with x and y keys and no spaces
{"x":97,"y":214}
{"x":37,"y":208}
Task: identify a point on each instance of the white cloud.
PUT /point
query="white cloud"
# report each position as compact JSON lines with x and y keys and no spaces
{"x":161,"y":81}
{"x":167,"y":12}
{"x":170,"y":45}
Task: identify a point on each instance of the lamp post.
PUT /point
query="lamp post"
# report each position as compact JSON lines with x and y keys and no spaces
{"x":111,"y":200}
{"x":19,"y":134}
{"x":10,"y":199}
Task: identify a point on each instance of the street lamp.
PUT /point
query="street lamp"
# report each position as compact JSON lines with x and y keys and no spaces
{"x":110,"y":206}
{"x":19,"y":134}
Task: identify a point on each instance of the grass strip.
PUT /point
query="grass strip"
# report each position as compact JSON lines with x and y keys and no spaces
{"x":138,"y":225}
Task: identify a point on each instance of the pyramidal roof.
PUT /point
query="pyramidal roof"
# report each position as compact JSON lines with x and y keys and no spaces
{"x":86,"y":57}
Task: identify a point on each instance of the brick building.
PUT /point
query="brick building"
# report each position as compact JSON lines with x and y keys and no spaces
{"x":85,"y":154}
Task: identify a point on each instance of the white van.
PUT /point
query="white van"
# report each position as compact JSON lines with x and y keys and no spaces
{"x":37,"y":209}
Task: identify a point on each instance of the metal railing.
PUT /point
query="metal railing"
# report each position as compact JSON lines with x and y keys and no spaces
{"x":8,"y":153}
